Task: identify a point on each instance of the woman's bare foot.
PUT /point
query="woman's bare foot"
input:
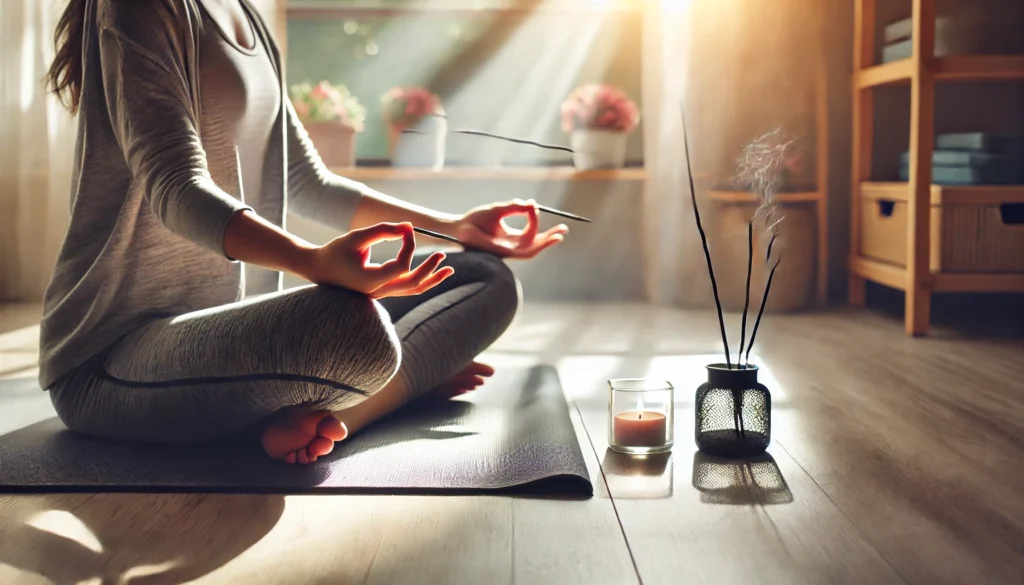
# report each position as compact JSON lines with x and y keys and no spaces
{"x":300,"y":435}
{"x":471,"y":378}
{"x":394,"y":396}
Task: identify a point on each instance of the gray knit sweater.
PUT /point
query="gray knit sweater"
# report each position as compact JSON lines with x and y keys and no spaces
{"x":147,"y":218}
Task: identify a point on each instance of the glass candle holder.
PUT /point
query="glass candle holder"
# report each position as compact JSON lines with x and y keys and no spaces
{"x":640,"y":415}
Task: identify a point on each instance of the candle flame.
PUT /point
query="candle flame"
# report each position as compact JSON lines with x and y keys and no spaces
{"x":639,"y":408}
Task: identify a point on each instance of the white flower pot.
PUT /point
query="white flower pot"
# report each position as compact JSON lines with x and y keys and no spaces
{"x":424,"y":147}
{"x":598,"y":149}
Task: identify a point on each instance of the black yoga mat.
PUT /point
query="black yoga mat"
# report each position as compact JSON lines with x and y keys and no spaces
{"x":513,"y":434}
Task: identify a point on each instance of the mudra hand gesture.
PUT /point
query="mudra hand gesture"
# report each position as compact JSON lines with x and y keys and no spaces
{"x":484,"y":228}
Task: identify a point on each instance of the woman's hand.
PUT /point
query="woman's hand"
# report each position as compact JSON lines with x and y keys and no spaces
{"x":345,"y":262}
{"x":484,"y":228}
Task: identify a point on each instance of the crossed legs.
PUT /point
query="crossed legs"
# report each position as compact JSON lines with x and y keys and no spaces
{"x":313,"y":364}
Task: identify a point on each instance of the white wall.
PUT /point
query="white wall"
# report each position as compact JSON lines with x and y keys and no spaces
{"x":598,"y":261}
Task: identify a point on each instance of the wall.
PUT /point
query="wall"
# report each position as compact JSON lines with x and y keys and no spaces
{"x":599,"y":261}
{"x":587,"y":265}
{"x":753,"y":68}
{"x":494,"y":71}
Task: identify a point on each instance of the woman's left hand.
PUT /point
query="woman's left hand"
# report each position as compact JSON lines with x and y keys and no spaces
{"x":483,"y":228}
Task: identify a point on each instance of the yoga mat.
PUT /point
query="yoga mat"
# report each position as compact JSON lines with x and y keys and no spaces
{"x":512,"y":434}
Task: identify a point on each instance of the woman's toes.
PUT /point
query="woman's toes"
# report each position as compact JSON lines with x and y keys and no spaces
{"x":319,"y":447}
{"x":290,"y":458}
{"x":332,"y":429}
{"x":479,"y":369}
{"x":303,"y":457}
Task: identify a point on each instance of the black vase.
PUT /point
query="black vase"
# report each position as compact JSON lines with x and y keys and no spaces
{"x":734,"y":412}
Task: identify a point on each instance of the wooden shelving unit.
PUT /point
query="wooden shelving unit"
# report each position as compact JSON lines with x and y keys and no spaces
{"x":566,"y":173}
{"x":921,"y":71}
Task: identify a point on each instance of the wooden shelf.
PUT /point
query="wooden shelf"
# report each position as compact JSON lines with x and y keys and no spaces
{"x":998,"y":283}
{"x":895,"y":277}
{"x":746,"y":196}
{"x":490,"y":174}
{"x":949,"y":68}
{"x":948,"y":194}
{"x":880,"y":272}
{"x":979,"y":67}
{"x":918,"y":239}
{"x":886,"y":74}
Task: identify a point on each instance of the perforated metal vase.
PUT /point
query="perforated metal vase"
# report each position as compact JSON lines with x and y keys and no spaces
{"x":734,"y":412}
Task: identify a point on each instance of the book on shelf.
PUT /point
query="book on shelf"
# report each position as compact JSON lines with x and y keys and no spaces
{"x":966,"y":158}
{"x":902,"y":30}
{"x":965,"y":175}
{"x":904,"y":49}
{"x":998,"y":144}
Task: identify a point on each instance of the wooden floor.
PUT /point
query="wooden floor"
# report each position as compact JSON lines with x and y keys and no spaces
{"x":894,"y":460}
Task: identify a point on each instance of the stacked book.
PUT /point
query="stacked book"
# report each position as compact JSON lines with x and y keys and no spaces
{"x":897,"y":39}
{"x":974,"y":158}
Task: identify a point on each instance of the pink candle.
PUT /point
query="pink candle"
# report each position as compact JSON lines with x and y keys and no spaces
{"x":639,"y":429}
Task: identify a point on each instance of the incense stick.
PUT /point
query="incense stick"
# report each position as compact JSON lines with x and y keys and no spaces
{"x":516,"y":140}
{"x":564,"y":214}
{"x":764,"y":301}
{"x":438,"y":235}
{"x":746,"y":302}
{"x":704,"y":242}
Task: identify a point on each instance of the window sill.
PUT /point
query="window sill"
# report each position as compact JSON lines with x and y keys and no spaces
{"x":566,"y":173}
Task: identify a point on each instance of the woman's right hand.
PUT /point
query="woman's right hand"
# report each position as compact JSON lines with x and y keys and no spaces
{"x":345,"y":262}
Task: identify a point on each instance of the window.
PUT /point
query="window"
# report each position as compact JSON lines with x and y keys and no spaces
{"x":498,"y":66}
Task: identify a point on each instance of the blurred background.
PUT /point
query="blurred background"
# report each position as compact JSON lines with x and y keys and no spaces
{"x":740,"y":68}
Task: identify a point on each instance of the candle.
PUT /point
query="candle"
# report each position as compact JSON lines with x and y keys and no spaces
{"x":639,"y":428}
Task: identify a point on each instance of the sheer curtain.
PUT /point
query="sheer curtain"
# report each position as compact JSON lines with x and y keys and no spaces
{"x":673,"y":264}
{"x":37,"y":139}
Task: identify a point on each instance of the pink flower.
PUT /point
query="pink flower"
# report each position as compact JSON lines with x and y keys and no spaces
{"x":412,"y":109}
{"x":409,"y":104}
{"x":321,"y":92}
{"x":599,"y":106}
{"x":608,"y":119}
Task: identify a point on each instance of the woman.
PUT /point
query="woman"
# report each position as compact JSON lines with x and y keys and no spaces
{"x":165,"y":321}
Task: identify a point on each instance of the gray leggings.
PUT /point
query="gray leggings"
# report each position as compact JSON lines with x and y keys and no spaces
{"x":205,"y":374}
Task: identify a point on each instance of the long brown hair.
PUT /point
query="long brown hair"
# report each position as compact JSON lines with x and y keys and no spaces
{"x":65,"y":75}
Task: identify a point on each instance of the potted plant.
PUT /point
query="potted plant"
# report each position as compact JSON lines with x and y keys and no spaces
{"x":417,"y":128}
{"x":332,"y":116}
{"x":599,"y":119}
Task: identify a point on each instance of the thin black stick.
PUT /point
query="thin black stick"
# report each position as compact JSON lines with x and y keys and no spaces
{"x":771,"y":242}
{"x":764,"y":301}
{"x":704,"y":242}
{"x":750,"y":267}
{"x":499,"y":137}
{"x":515,"y":140}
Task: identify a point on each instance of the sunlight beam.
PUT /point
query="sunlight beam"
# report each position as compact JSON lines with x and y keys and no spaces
{"x":66,"y":525}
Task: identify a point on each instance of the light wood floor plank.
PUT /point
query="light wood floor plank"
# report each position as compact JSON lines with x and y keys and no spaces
{"x":918,"y":441}
{"x":688,"y":536}
{"x":902,"y":457}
